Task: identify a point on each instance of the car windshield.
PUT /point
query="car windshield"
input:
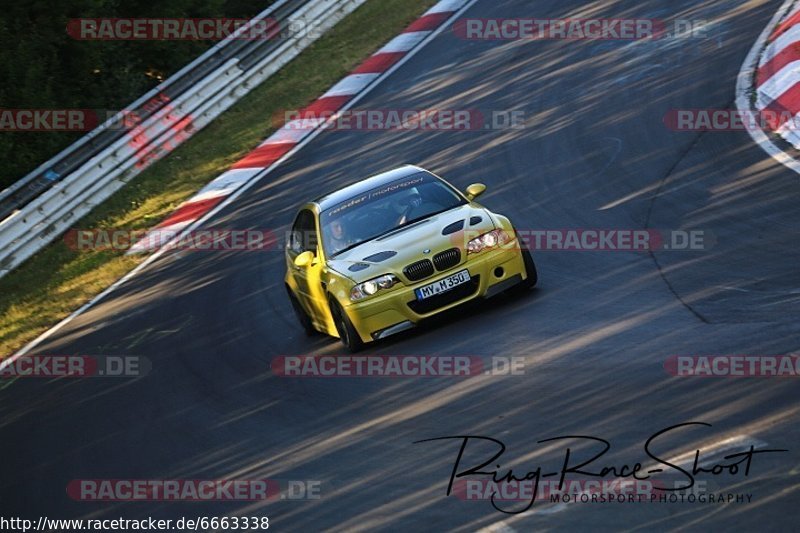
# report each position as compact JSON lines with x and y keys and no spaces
{"x":387,"y":208}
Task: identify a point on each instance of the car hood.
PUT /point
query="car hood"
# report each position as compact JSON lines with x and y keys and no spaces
{"x":391,"y":253}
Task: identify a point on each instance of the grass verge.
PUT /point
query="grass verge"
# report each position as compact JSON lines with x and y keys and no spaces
{"x":57,"y":280}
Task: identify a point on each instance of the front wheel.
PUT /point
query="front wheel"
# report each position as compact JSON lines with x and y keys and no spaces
{"x":347,"y":332}
{"x":530,"y":269}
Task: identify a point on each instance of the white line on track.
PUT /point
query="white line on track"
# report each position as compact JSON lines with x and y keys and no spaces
{"x":498,"y":527}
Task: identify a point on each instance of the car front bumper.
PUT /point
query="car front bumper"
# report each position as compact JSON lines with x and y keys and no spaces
{"x":398,"y":310}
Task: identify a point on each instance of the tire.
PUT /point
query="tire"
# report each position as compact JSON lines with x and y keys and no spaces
{"x":347,"y":332}
{"x":530,"y":268}
{"x":300,"y":314}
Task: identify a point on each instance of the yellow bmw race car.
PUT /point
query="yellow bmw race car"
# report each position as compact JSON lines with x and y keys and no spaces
{"x":379,"y":256}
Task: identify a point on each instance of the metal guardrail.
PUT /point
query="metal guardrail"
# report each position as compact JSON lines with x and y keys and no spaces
{"x":43,"y":177}
{"x":41,"y":206}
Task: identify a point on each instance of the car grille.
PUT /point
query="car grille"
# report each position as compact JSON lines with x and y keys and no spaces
{"x":446,"y":298}
{"x":447,"y":259}
{"x":419,"y":270}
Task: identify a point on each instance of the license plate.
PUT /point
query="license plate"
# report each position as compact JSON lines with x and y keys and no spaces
{"x":444,"y":285}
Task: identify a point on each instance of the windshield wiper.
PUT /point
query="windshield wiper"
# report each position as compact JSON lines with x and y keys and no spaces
{"x":348,"y":248}
{"x":418,"y":219}
{"x":398,"y":229}
{"x":413,"y":222}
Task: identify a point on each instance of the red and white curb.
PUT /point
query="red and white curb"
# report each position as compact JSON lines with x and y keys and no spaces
{"x":771,"y":71}
{"x":778,"y":77}
{"x":287,"y":138}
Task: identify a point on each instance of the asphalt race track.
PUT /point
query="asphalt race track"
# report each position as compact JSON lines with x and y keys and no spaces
{"x":595,"y":335}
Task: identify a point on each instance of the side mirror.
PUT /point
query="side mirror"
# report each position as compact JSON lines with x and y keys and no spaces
{"x":303,"y":260}
{"x":475,"y":190}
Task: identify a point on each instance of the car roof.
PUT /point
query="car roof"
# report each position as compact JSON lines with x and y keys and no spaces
{"x":360,"y":187}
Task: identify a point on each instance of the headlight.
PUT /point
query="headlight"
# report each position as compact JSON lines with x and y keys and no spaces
{"x":368,"y":288}
{"x":493,"y":239}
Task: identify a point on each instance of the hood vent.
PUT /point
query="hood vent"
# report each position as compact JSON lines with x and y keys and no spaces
{"x":358,"y":267}
{"x":453,"y":228}
{"x":380,"y":257}
{"x":474,"y":221}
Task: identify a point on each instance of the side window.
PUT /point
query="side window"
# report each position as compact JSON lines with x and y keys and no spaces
{"x":304,"y":233}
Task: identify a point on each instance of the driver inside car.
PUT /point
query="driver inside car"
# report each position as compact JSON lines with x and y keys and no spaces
{"x":339,"y":239}
{"x":406,"y":204}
